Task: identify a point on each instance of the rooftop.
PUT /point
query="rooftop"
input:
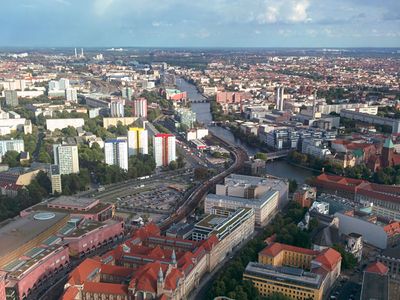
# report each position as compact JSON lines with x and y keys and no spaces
{"x":275,"y":248}
{"x":253,"y":202}
{"x":21,"y":230}
{"x":286,"y":274}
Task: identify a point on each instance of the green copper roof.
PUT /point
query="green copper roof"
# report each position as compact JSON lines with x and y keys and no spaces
{"x":358,"y":153}
{"x":388,"y":143}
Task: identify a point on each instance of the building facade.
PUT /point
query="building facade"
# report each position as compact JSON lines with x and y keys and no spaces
{"x":116,"y":153}
{"x":164,"y":149}
{"x":140,"y":107}
{"x":67,"y":158}
{"x":137,"y":141}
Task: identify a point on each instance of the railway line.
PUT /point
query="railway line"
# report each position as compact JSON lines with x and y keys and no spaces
{"x":195,"y":197}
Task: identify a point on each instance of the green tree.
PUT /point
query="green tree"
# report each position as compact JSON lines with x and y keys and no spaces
{"x":11,"y":158}
{"x":261,"y":155}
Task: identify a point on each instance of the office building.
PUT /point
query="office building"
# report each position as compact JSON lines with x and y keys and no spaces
{"x":71,"y":95}
{"x":221,"y":222}
{"x":137,"y":141}
{"x":117,"y":109}
{"x":296,"y":272}
{"x":11,"y":98}
{"x":140,"y":107}
{"x":67,"y":158}
{"x":55,"y":178}
{"x":11,"y":145}
{"x":164,"y":149}
{"x":265,"y":195}
{"x":126,"y":92}
{"x":279,"y":92}
{"x":116,"y":153}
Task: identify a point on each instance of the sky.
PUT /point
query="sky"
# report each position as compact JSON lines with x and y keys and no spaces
{"x":200,"y":23}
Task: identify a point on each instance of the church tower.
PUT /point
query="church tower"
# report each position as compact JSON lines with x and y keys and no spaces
{"x":387,"y":153}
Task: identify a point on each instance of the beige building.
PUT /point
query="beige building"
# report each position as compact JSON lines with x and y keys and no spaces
{"x":125,"y":121}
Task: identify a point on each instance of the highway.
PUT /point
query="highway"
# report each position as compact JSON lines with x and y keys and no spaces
{"x":195,"y":197}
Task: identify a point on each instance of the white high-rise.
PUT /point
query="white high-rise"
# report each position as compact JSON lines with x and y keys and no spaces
{"x":67,"y":158}
{"x":164,"y":149}
{"x":71,"y":95}
{"x":11,"y":145}
{"x":138,"y":141}
{"x":140,"y":107}
{"x":116,"y":153}
{"x":279,"y":91}
{"x":117,"y":109}
{"x":63,"y":83}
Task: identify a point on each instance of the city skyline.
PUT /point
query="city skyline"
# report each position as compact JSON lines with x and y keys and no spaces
{"x":177,"y":23}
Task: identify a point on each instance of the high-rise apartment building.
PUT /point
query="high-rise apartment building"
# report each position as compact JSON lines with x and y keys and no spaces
{"x":140,"y":107}
{"x":55,"y":178}
{"x":71,"y":95}
{"x":116,"y":153}
{"x":126,"y":92}
{"x":66,"y":157}
{"x":11,"y":98}
{"x":137,"y":141}
{"x":279,"y":91}
{"x":63,"y":84}
{"x":164,"y":149}
{"x":117,"y":109}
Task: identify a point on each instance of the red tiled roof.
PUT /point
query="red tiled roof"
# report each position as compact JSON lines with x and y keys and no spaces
{"x":81,"y":272}
{"x":116,"y":270}
{"x":171,"y":281}
{"x":329,"y":258}
{"x":378,"y":268}
{"x":275,"y":248}
{"x":70,"y":293}
{"x":392,"y":228}
{"x":105,"y":288}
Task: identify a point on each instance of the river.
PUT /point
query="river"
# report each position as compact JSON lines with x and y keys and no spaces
{"x":279,"y":168}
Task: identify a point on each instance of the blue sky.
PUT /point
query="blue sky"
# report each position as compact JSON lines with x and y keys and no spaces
{"x":197,"y":23}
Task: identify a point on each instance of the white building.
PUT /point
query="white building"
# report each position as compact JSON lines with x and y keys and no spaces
{"x":11,"y":145}
{"x":164,"y":149}
{"x":53,"y":124}
{"x":71,"y":95}
{"x":63,"y":84}
{"x":116,"y":153}
{"x":67,"y":158}
{"x":117,"y":109}
{"x":321,"y":207}
{"x":138,"y":141}
{"x":279,"y":92}
{"x":140,"y":107}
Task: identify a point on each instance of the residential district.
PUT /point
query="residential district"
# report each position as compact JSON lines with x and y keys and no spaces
{"x":133,"y":174}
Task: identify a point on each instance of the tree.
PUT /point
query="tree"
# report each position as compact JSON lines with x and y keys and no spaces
{"x":200,"y":173}
{"x":173,"y":165}
{"x":292,"y":185}
{"x":44,"y":181}
{"x":261,"y":155}
{"x":348,"y":260}
{"x":11,"y":158}
{"x":44,"y":157}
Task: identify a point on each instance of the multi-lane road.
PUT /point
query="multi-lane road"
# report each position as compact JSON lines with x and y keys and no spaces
{"x":192,"y":201}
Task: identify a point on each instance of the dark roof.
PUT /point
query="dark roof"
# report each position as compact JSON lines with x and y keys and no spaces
{"x":375,"y":287}
{"x":392,"y":252}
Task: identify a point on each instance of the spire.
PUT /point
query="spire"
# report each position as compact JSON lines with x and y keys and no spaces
{"x":173,"y":257}
{"x":160,"y":276}
{"x":388,"y":143}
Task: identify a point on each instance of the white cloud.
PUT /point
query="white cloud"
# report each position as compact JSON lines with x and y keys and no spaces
{"x":102,"y":6}
{"x":286,"y":11}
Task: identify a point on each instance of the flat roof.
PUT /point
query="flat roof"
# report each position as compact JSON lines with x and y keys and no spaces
{"x":73,"y":201}
{"x":21,"y":230}
{"x":252,"y":202}
{"x":287,"y":274}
